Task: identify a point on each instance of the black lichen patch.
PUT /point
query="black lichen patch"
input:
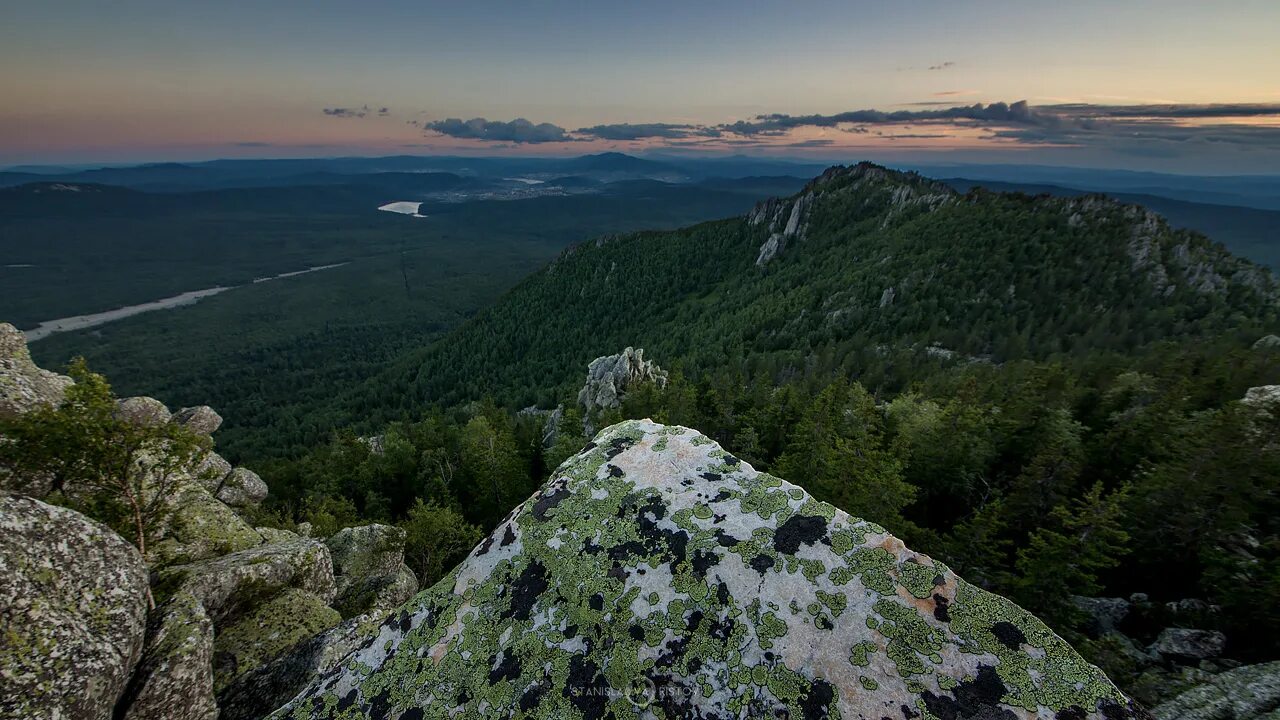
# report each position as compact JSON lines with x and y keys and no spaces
{"x":941,"y":608}
{"x":711,"y":477}
{"x":702,"y":561}
{"x":615,"y":471}
{"x":508,"y":537}
{"x":585,"y":687}
{"x":508,"y":669}
{"x":549,"y":501}
{"x":617,"y":446}
{"x":725,"y":539}
{"x":533,"y":696}
{"x":976,"y":699}
{"x":816,"y":704}
{"x":797,"y":530}
{"x":531,"y":584}
{"x":1112,"y":710}
{"x":761,"y":563}
{"x":636,"y":631}
{"x":1074,"y":712}
{"x":1008,"y":634}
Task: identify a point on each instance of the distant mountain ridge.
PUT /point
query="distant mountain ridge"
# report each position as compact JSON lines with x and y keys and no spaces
{"x":863,"y":263}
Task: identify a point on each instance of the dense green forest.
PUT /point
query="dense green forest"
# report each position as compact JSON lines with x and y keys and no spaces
{"x":892,"y":272}
{"x":271,"y":356}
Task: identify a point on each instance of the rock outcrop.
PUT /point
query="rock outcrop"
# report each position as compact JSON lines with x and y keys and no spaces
{"x":369,"y":569}
{"x":73,"y":609}
{"x":23,"y":386}
{"x":1247,"y":693}
{"x":656,"y":575}
{"x":611,"y":376}
{"x":177,"y":664}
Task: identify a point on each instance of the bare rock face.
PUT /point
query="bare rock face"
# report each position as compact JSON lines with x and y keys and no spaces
{"x":1189,"y":644}
{"x":657,"y":576}
{"x":1248,"y":693}
{"x":230,"y":585}
{"x":175,"y":679}
{"x":273,"y":683}
{"x":610,"y":377}
{"x":201,"y":419}
{"x":369,"y":569}
{"x":23,"y":386}
{"x":242,"y":488}
{"x":145,"y":411}
{"x":73,"y":610}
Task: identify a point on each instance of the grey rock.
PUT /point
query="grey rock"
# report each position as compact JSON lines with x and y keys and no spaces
{"x":23,"y":386}
{"x":200,"y":527}
{"x":1189,"y":644}
{"x":380,"y":593}
{"x":73,"y":609}
{"x":230,"y":585}
{"x":201,"y":419}
{"x":369,"y":570}
{"x":609,"y":378}
{"x":275,"y":535}
{"x":242,"y":488}
{"x":1248,"y":693}
{"x":1105,"y":614}
{"x":655,"y":575}
{"x":268,"y":631}
{"x":1267,"y":342}
{"x":175,"y":678}
{"x":144,"y":411}
{"x":211,"y":471}
{"x":256,"y":693}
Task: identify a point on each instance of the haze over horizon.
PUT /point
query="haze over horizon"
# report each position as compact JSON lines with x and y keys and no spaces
{"x":1150,"y":85}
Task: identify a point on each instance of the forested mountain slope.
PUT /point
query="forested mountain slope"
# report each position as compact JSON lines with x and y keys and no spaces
{"x":862,"y":263}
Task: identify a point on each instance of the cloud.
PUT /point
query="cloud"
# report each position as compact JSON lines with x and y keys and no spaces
{"x":343,"y":112}
{"x":640,"y":131}
{"x":1019,"y":113}
{"x":943,"y":65}
{"x":516,"y":131}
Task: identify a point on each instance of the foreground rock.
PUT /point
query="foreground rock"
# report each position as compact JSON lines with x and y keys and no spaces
{"x":73,"y":608}
{"x":657,"y":576}
{"x":1247,"y":693}
{"x":610,"y":377}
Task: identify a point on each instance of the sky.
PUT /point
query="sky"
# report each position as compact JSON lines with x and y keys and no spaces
{"x":1168,"y":85}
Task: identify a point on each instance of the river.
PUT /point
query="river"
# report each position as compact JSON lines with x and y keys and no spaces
{"x":82,"y":322}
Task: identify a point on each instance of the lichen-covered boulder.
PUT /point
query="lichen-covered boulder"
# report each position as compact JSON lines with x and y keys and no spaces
{"x":201,"y":419}
{"x":656,"y":575}
{"x":257,"y":692}
{"x":23,"y":385}
{"x":274,"y":535}
{"x":242,"y":488}
{"x":377,"y":594}
{"x":144,"y":411}
{"x":174,"y":681}
{"x":73,"y":610}
{"x":231,"y":585}
{"x":369,"y":569}
{"x":201,"y":527}
{"x":267,"y":631}
{"x":1248,"y":693}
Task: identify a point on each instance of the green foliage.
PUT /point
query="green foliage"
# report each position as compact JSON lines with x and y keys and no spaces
{"x":436,"y":539}
{"x":85,"y":454}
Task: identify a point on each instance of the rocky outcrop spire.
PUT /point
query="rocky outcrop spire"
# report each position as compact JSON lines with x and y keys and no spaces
{"x":656,"y":575}
{"x":610,"y":377}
